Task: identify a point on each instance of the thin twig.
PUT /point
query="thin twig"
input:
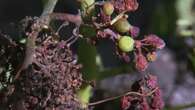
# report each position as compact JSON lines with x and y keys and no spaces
{"x":61,"y":26}
{"x":76,"y":19}
{"x":99,"y":25}
{"x":121,"y":15}
{"x":116,"y":97}
{"x":75,"y":36}
{"x":7,"y":39}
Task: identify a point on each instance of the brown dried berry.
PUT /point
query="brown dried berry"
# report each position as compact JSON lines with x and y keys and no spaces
{"x":141,"y":62}
{"x":154,"y":41}
{"x":151,"y":56}
{"x":131,"y":5}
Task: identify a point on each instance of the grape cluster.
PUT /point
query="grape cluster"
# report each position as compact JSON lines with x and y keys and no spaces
{"x":144,"y":101}
{"x":109,"y":19}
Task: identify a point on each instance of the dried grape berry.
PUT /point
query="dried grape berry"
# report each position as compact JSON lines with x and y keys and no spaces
{"x":140,"y":62}
{"x":134,"y":31}
{"x":50,"y":82}
{"x":152,"y":101}
{"x":151,"y":56}
{"x":154,"y":41}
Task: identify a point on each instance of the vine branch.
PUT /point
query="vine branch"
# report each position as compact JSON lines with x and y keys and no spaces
{"x":31,"y":37}
{"x":119,"y":96}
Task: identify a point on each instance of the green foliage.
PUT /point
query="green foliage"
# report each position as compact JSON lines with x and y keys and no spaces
{"x":87,"y":31}
{"x":87,"y":57}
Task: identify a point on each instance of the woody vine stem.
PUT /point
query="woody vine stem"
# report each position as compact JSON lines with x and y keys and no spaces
{"x":30,"y":45}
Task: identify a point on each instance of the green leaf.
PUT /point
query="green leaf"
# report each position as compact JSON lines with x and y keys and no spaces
{"x":87,"y":31}
{"x":87,"y":57}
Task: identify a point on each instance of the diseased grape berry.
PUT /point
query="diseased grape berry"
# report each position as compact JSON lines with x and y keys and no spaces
{"x":141,"y":62}
{"x":108,"y":8}
{"x":154,"y":41}
{"x":151,"y":56}
{"x":126,"y":43}
{"x":134,"y":31}
{"x":122,"y":25}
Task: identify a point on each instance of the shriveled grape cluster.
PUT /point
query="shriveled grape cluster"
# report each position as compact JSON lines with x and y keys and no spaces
{"x":147,"y":100}
{"x":50,"y":81}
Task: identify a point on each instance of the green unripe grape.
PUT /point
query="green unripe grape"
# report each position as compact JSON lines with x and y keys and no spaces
{"x":126,"y":43}
{"x":108,"y":8}
{"x":122,"y":25}
{"x":86,"y":3}
{"x":87,"y":7}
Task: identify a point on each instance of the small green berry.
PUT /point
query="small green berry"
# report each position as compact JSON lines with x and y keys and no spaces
{"x":108,"y":8}
{"x":122,"y":25}
{"x":87,"y":6}
{"x":126,"y":43}
{"x":86,"y":3}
